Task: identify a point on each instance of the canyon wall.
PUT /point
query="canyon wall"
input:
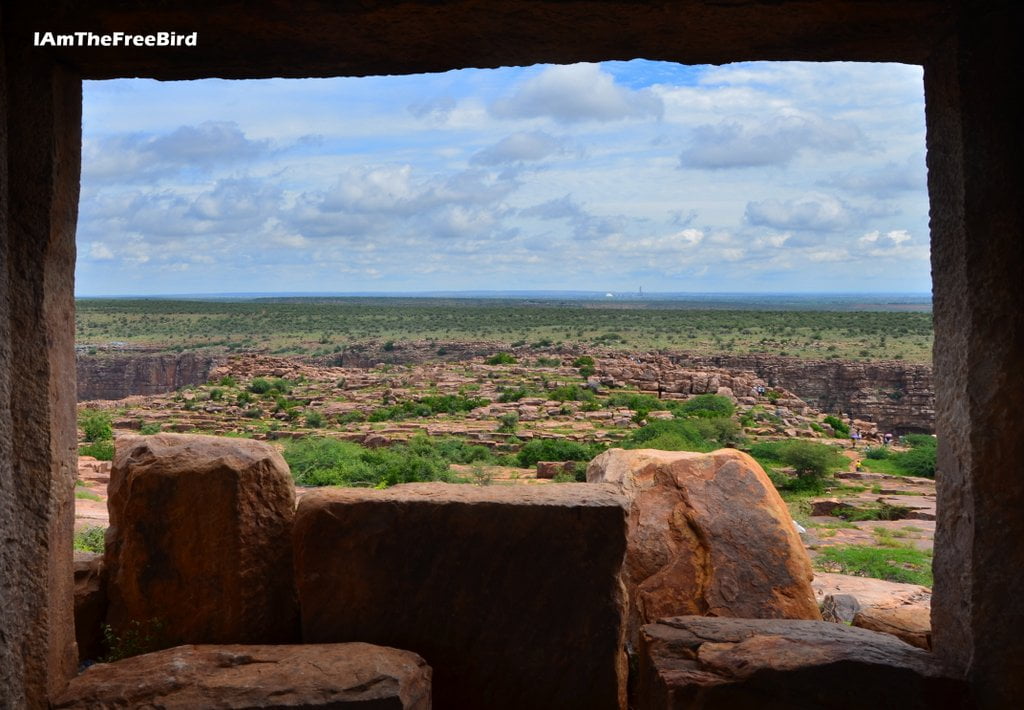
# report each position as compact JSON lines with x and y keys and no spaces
{"x":899,"y":397}
{"x":119,"y":374}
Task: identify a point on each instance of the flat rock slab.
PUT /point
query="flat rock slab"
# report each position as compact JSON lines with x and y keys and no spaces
{"x":236,"y":677}
{"x":781,"y":664}
{"x":511,"y":593}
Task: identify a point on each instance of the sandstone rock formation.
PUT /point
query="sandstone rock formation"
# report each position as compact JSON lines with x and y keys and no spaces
{"x":512,"y":594}
{"x":207,"y":677}
{"x":909,"y":623}
{"x":200,"y":539}
{"x":771,"y":664}
{"x":90,"y":604}
{"x":119,"y":374}
{"x":708,"y":535}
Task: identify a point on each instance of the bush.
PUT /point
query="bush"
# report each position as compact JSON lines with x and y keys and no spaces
{"x":556,"y":450}
{"x":101,"y":450}
{"x":685,"y":435}
{"x":501,"y":358}
{"x":877,"y":453}
{"x":513,"y":395}
{"x":314,"y":420}
{"x":428,"y":406}
{"x":95,"y":425}
{"x":635,"y":401}
{"x":706,"y":405}
{"x":90,"y":539}
{"x":216,"y":394}
{"x":583,"y":361}
{"x":838,"y":425}
{"x":812,"y":462}
{"x":327,"y":462}
{"x":919,"y":461}
{"x":507,"y":423}
{"x":148,"y":429}
{"x":571,"y":393}
{"x":260,"y":385}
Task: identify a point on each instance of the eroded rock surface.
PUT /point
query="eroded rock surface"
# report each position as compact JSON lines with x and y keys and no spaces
{"x":512,"y":594}
{"x":90,"y":604}
{"x":708,"y":535}
{"x":237,"y":677}
{"x":200,"y":539}
{"x":773,"y":664}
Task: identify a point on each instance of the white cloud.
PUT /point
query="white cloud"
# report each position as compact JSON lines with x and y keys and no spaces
{"x":576,"y":92}
{"x":811,"y":212}
{"x":100,"y":251}
{"x":519,"y":147}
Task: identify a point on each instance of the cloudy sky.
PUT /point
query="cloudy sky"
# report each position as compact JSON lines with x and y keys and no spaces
{"x":756,"y":177}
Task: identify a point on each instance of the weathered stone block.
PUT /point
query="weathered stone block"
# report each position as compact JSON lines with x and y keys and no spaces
{"x":910,"y":623}
{"x":780,"y":664}
{"x":708,"y":535}
{"x":511,"y":594}
{"x":200,"y":539}
{"x":243,"y":677}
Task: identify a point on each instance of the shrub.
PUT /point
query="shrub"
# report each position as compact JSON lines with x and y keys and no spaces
{"x":919,"y":461}
{"x":428,"y":406}
{"x":90,"y":539}
{"x":706,"y":405}
{"x":327,"y":462}
{"x":838,"y":425}
{"x":260,"y":385}
{"x":228,"y":381}
{"x":877,"y":453}
{"x":513,"y":395}
{"x":684,"y":435}
{"x":556,"y":450}
{"x":101,"y":450}
{"x":507,"y":423}
{"x":812,"y":462}
{"x":148,"y":429}
{"x":243,"y":399}
{"x":314,"y":419}
{"x":583,"y":361}
{"x":216,"y":394}
{"x":95,"y":425}
{"x":501,"y":358}
{"x":572,"y":393}
{"x":635,"y":401}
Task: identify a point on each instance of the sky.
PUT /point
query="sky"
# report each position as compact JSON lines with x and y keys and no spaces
{"x":749,"y":177}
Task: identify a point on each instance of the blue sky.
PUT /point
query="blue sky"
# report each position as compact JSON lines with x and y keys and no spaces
{"x":747,"y":177}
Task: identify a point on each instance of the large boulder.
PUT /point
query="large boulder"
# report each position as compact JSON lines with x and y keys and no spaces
{"x":236,"y":677}
{"x":512,"y":594}
{"x":780,"y":664}
{"x":910,"y":623}
{"x":708,"y":535}
{"x":199,"y":544}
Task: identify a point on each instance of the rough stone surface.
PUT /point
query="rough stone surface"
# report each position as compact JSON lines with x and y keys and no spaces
{"x":40,"y":134}
{"x":119,"y":374}
{"x":200,"y":539}
{"x":772,"y":664}
{"x":709,"y":535}
{"x":512,"y":594}
{"x":241,"y":677}
{"x":909,"y":623}
{"x":90,"y":604}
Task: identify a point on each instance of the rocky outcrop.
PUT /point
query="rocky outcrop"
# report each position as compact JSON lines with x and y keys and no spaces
{"x":119,"y":374}
{"x":896,"y":396}
{"x":511,"y":593}
{"x":200,"y":539}
{"x":708,"y":535}
{"x":355,"y":675}
{"x":773,"y":664}
{"x":908,"y":623}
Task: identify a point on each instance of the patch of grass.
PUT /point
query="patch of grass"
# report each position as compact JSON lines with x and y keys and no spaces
{"x":86,"y":494}
{"x":328,"y":462}
{"x":893,"y":564}
{"x":501,"y":358}
{"x":100,"y":450}
{"x":90,"y":540}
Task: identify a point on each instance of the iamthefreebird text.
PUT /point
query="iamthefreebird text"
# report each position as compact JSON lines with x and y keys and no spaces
{"x":115,"y":39}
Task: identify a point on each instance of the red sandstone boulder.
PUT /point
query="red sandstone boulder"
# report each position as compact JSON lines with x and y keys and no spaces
{"x":782,"y":664}
{"x":512,"y":594}
{"x":708,"y":535}
{"x":200,"y":539}
{"x":237,"y":677}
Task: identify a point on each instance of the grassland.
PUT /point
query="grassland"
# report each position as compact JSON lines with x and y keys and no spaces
{"x":324,"y":326}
